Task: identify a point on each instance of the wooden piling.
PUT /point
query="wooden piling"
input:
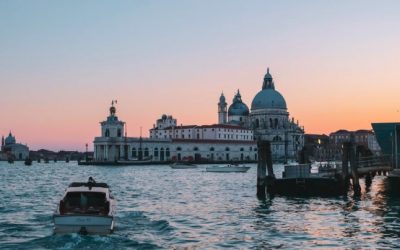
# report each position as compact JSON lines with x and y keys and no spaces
{"x":354,"y":155}
{"x":345,"y":165}
{"x":303,"y":156}
{"x":368,"y":180}
{"x":264,"y":165}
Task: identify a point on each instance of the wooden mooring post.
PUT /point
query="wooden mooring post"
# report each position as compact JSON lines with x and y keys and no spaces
{"x":354,"y":155}
{"x":264,"y":166}
{"x":345,"y":164}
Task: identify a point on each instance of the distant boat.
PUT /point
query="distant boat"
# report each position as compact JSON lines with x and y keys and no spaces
{"x":10,"y":160}
{"x":38,"y":160}
{"x":182,"y":165}
{"x":228,"y":169}
{"x":67,"y":160}
{"x":28,"y":161}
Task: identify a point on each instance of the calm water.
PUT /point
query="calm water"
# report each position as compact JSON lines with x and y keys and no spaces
{"x":159,"y":208}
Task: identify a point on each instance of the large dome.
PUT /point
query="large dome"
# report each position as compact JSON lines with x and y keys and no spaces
{"x":268,"y":99}
{"x":238,"y":107}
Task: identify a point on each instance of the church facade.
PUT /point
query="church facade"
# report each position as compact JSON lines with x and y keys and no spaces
{"x":233,"y":138}
{"x":11,"y":149}
{"x":268,"y":119}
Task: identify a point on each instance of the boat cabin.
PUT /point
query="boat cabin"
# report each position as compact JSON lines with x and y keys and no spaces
{"x":86,"y":198}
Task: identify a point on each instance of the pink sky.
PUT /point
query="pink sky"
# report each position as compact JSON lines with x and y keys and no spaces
{"x":60,"y":66}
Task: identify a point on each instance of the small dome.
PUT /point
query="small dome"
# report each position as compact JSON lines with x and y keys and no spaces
{"x":164,"y":117}
{"x":10,"y":139}
{"x":238,"y":107}
{"x":267,"y":99}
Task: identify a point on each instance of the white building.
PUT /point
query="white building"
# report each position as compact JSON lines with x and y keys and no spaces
{"x":169,"y":142}
{"x":234,"y":137}
{"x":10,"y":148}
{"x":268,"y":119}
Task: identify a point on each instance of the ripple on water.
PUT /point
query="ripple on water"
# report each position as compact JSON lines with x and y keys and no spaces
{"x":163,"y":208}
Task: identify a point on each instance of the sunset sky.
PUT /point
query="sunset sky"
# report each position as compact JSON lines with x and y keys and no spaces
{"x":337,"y":63}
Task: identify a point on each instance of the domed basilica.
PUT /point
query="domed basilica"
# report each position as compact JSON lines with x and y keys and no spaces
{"x":268,"y":118}
{"x":234,"y":138}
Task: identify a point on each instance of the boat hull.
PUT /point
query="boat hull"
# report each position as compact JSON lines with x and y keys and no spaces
{"x":228,"y":169}
{"x":87,"y":224}
{"x":311,"y":186}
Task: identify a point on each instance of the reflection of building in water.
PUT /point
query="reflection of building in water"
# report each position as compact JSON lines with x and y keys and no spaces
{"x":234,"y":137}
{"x":10,"y":148}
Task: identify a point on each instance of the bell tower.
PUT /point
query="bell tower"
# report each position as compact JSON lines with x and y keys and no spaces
{"x":112,"y":127}
{"x":222,"y":110}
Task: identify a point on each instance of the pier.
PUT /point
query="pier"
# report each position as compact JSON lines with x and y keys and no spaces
{"x":299,"y":181}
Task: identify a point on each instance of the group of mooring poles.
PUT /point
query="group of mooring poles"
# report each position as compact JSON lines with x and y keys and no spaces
{"x":266,"y":177}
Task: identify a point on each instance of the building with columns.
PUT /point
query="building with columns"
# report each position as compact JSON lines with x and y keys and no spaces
{"x":234,"y":137}
{"x":169,"y":142}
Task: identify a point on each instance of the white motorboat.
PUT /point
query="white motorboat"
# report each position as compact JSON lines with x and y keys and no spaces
{"x":228,"y":169}
{"x":182,"y":165}
{"x":87,"y":208}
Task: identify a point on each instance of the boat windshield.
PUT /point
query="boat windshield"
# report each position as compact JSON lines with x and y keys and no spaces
{"x":85,"y":203}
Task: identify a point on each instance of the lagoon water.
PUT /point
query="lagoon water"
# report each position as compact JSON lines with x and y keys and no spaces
{"x":162,"y":208}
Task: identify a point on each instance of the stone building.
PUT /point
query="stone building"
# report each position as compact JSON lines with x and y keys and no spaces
{"x":10,"y":148}
{"x":233,"y":137}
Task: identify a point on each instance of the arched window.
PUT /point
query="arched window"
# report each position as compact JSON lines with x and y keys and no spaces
{"x":257,"y":123}
{"x":276,"y":122}
{"x":146,"y":152}
{"x":212,"y":149}
{"x":167,"y":154}
{"x":241,"y":149}
{"x":227,"y":149}
{"x":107,"y":133}
{"x":178,"y":149}
{"x":156,"y":152}
{"x":195,"y":149}
{"x":119,"y":134}
{"x":134,"y":152}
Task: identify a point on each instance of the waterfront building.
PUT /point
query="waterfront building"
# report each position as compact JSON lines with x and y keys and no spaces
{"x":168,"y":142}
{"x":10,"y":148}
{"x":362,"y":137}
{"x":233,"y":137}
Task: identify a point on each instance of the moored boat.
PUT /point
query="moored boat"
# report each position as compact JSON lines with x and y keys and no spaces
{"x":87,"y":208}
{"x":228,"y":169}
{"x":28,"y":161}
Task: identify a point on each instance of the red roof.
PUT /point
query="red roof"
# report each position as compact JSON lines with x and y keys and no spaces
{"x":204,"y":126}
{"x":214,"y":141}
